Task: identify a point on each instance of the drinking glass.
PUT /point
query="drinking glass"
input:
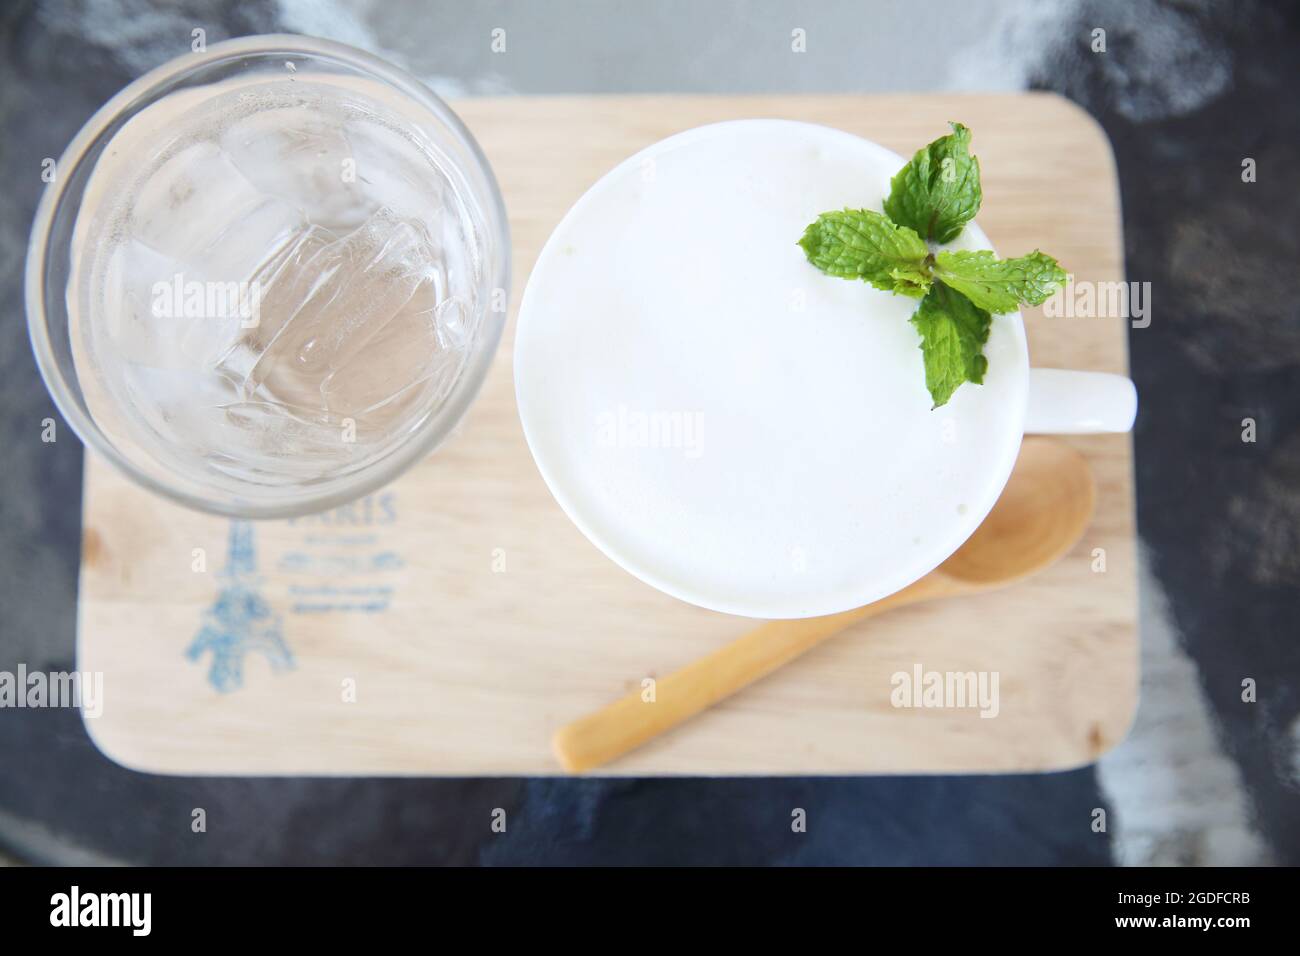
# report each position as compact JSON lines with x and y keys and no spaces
{"x":268,"y":277}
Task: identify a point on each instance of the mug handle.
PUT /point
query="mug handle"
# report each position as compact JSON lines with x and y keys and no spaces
{"x":1063,"y":402}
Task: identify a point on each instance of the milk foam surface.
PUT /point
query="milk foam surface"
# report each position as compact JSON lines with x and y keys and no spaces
{"x":725,"y":421}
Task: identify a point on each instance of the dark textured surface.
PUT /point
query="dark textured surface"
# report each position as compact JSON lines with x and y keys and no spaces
{"x":1220,"y":519}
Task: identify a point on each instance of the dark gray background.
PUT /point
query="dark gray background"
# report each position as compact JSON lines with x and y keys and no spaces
{"x":1185,"y":90}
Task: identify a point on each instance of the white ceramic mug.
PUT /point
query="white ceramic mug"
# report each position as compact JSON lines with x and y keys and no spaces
{"x":822,"y":480}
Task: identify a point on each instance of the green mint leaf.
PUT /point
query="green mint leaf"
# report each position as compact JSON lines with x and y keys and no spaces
{"x":1000,"y":285}
{"x":938,"y":192}
{"x":861,"y":244}
{"x":953,"y":332}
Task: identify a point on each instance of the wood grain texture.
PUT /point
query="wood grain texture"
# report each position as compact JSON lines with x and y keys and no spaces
{"x":472,"y":664}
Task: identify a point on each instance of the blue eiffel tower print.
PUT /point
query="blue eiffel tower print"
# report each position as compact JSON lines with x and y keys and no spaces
{"x":240,"y":620}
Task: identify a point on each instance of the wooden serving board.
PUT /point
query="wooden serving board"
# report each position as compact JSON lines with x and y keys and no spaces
{"x":449,"y":624}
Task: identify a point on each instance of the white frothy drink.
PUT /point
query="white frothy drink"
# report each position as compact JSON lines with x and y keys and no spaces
{"x":725,"y":421}
{"x":276,"y":280}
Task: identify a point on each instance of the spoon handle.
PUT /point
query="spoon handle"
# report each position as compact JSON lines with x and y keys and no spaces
{"x":631,"y":721}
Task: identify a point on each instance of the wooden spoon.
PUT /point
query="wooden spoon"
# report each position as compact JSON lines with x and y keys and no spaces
{"x":1042,"y":513}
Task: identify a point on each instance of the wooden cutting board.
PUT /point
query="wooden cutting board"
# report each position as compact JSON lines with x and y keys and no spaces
{"x":450,"y":623}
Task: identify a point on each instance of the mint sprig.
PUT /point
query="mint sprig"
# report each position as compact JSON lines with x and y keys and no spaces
{"x":931,"y":200}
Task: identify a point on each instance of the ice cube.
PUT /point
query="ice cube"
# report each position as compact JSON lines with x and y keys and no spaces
{"x":283,"y":285}
{"x":158,"y":315}
{"x":325,"y":302}
{"x":405,"y":363}
{"x":198,"y":208}
{"x":306,"y":158}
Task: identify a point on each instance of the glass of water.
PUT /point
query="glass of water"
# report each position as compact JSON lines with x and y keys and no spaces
{"x":268,"y":277}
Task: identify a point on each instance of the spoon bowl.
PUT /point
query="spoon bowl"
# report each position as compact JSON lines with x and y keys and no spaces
{"x":1043,"y":511}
